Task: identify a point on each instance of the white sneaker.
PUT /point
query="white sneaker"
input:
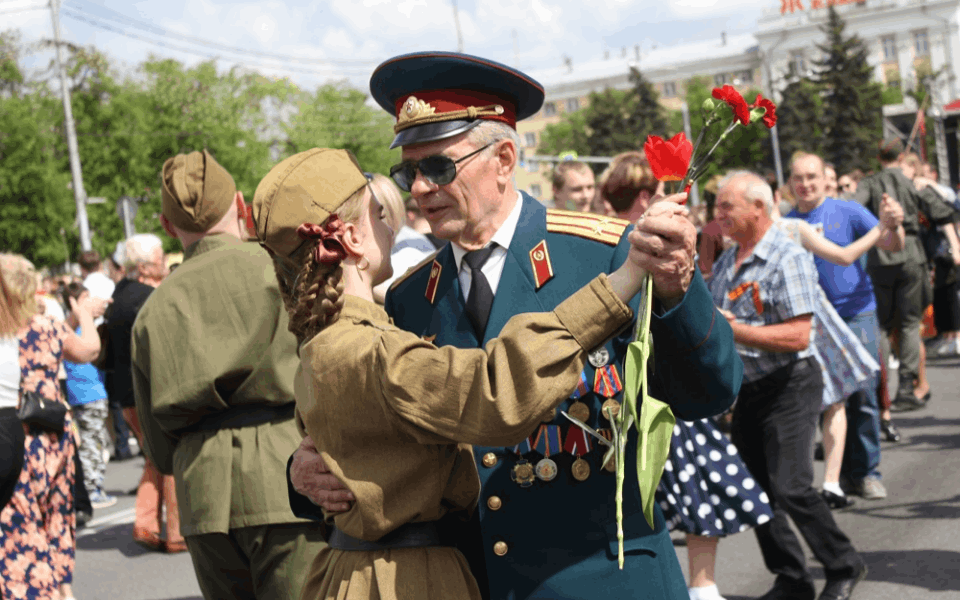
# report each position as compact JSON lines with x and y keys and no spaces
{"x":709,"y":592}
{"x":893,"y":363}
{"x":949,"y":348}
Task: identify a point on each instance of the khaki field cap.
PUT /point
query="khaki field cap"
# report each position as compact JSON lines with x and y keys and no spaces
{"x":306,"y":188}
{"x":197,"y":191}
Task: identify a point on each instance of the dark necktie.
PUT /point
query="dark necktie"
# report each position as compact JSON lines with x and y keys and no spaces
{"x":480,"y":298}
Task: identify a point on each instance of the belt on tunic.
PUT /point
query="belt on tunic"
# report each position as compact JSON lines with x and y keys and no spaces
{"x":409,"y":535}
{"x":242,"y":416}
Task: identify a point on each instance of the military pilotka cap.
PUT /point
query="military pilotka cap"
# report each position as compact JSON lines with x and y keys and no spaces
{"x":197,"y":191}
{"x":437,"y":95}
{"x":305,"y":188}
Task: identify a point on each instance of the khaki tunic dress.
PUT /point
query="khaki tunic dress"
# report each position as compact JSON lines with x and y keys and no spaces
{"x":393,"y":417}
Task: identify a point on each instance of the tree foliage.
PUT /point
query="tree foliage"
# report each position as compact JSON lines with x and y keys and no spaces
{"x":799,"y":119}
{"x":613,"y":121}
{"x":128,"y":124}
{"x":852,"y":117}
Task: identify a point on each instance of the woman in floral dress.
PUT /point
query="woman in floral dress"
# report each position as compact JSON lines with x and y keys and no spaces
{"x":38,"y":524}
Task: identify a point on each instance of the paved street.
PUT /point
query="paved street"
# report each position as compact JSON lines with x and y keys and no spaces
{"x":911,"y":541}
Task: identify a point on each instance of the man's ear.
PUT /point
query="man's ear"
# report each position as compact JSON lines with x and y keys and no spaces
{"x":168,"y":227}
{"x":506,"y":160}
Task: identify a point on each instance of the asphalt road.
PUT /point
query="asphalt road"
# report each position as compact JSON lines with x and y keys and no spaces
{"x":910,"y":541}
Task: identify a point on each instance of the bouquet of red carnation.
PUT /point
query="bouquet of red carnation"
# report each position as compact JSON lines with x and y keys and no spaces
{"x":677,"y":159}
{"x":671,"y":160}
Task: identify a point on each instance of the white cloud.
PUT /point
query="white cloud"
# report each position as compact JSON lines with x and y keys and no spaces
{"x":355,"y":35}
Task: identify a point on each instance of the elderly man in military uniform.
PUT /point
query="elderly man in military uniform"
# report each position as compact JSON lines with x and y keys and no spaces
{"x":546,"y":522}
{"x":213,"y":369}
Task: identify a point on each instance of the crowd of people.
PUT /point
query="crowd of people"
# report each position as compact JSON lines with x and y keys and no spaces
{"x":364,"y":396}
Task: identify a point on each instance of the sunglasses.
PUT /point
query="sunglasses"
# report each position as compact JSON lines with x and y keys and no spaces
{"x":437,"y":169}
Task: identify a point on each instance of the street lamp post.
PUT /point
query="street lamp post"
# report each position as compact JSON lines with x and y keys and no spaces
{"x":79,"y":194}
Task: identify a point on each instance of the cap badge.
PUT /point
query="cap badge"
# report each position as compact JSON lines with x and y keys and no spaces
{"x":413,"y":109}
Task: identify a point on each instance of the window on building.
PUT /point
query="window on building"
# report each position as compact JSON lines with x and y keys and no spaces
{"x":670,"y":89}
{"x":549,"y":109}
{"x":530,"y":139}
{"x":572,"y":105}
{"x":798,"y":62}
{"x":533,"y":166}
{"x":889,"y":43}
{"x":720,"y":79}
{"x":746,"y":77}
{"x":535,"y":190}
{"x":920,"y":44}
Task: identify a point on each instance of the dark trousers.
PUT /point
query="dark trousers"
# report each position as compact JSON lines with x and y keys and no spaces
{"x":11,"y":451}
{"x":81,"y":496}
{"x":773,"y":427}
{"x":900,"y":293}
{"x":120,"y":430}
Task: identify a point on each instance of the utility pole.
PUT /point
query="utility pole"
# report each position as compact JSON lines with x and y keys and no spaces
{"x":694,"y":189}
{"x":456,"y":21}
{"x":79,"y":194}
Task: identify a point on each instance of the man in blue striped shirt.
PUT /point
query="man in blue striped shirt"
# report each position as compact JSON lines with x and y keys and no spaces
{"x":766,"y":286}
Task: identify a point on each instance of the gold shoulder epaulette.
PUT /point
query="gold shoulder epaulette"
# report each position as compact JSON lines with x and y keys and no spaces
{"x":414,"y":269}
{"x":593,"y":227}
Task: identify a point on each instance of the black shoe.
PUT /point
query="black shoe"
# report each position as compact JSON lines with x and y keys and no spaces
{"x":906,"y":403}
{"x":889,"y":430}
{"x":790,"y":589}
{"x":842,"y":588}
{"x":818,"y":452}
{"x":122,"y":456}
{"x":83,"y":517}
{"x":836,"y":501}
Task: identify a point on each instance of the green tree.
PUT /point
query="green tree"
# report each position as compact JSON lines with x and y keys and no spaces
{"x":613,"y":121}
{"x":337,"y":116}
{"x":852,"y":118}
{"x":799,"y":117}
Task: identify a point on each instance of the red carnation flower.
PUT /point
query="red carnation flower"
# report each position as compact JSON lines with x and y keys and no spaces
{"x":770,"y":110}
{"x":669,"y":159}
{"x":732,"y":97}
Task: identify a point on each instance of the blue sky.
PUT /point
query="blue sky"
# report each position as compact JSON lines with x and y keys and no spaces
{"x":348,"y":38}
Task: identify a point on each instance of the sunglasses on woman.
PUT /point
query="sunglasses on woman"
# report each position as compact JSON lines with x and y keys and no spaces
{"x":437,"y":169}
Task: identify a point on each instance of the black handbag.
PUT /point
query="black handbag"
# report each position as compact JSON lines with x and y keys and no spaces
{"x":37,"y":411}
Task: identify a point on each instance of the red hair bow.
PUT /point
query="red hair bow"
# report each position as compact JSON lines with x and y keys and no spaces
{"x":330,"y":250}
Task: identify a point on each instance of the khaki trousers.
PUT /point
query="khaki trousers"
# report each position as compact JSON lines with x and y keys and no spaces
{"x":269,"y":562}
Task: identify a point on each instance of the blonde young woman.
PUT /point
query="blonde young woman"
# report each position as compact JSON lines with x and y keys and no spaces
{"x":391,"y":414}
{"x":38,"y":524}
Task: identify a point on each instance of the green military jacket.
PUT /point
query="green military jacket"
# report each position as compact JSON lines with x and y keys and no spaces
{"x":892,"y":181}
{"x":213,"y":337}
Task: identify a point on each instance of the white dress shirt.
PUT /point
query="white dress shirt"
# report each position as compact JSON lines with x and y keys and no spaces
{"x":493,"y":268}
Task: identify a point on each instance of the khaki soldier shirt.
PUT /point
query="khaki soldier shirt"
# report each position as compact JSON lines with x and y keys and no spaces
{"x":892,"y":181}
{"x":213,"y":336}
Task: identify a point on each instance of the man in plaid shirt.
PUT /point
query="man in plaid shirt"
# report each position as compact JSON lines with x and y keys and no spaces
{"x":766,"y":286}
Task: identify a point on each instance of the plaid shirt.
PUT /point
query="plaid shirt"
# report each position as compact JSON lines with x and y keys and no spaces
{"x":777,"y":282}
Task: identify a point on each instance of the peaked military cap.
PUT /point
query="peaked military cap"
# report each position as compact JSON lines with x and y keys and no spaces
{"x":437,"y":95}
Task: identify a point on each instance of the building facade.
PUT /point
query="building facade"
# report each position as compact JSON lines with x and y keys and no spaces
{"x":907,"y":41}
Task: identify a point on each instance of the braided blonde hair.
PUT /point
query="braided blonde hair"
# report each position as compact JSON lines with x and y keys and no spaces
{"x":303,"y":281}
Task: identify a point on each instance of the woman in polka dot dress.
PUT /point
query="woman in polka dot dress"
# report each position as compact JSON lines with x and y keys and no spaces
{"x":707,"y":492}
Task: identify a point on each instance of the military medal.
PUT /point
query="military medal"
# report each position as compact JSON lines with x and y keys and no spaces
{"x":580,"y":469}
{"x":599,"y":357}
{"x":580,"y":411}
{"x":549,"y":416}
{"x":606,"y":381}
{"x":582,"y":387}
{"x":578,"y":444}
{"x":610,"y":409}
{"x":547,"y":469}
{"x":522,"y":472}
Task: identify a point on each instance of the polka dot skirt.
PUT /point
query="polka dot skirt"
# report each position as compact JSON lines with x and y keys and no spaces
{"x":706,"y":489}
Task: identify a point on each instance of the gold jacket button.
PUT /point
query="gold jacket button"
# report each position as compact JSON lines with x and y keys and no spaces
{"x":500,"y":548}
{"x":489,"y":459}
{"x":494,"y":503}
